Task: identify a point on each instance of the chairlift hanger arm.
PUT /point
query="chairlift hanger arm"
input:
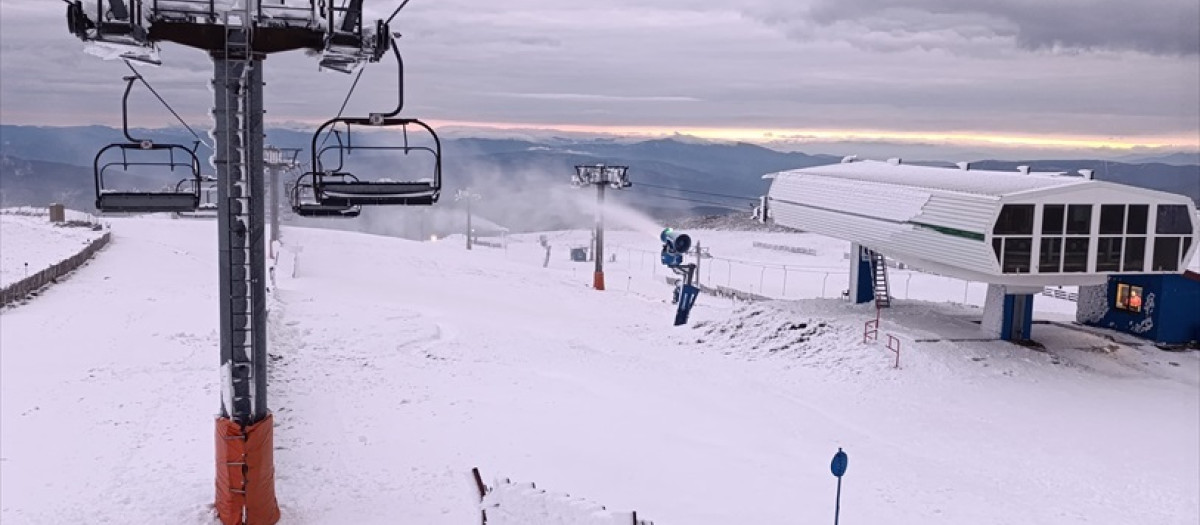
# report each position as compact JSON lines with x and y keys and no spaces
{"x":399,"y":80}
{"x":138,"y":76}
{"x":125,"y":111}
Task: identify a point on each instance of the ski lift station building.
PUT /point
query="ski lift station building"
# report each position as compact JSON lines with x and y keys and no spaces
{"x":1017,"y":231}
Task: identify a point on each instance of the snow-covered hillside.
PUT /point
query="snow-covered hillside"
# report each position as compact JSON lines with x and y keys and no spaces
{"x":398,"y":366}
{"x":30,"y":243}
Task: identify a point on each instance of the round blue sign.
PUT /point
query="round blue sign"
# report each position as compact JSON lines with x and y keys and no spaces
{"x":839,"y":463}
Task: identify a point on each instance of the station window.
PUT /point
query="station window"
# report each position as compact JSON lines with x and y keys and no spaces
{"x":1015,"y":219}
{"x":1166,"y":254}
{"x":1135,"y":254}
{"x":1050,"y":260}
{"x":1053,"y":216}
{"x":1017,"y":253}
{"x":1173,"y":220}
{"x":1129,"y":298}
{"x":1075,"y":254}
{"x":1136,"y":222}
{"x":1108,"y":254}
{"x":1079,"y":219}
{"x":1112,"y":219}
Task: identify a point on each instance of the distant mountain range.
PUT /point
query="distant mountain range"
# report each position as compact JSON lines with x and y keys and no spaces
{"x":1176,"y":159}
{"x":522,"y":181}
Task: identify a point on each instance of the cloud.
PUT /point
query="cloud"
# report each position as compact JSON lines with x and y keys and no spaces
{"x":591,"y":97}
{"x":916,"y":66}
{"x":1158,"y":27}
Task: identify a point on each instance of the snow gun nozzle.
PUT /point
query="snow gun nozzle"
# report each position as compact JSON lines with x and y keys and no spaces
{"x":675,"y":242}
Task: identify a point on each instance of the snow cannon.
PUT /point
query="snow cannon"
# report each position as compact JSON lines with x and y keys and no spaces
{"x":675,"y":244}
{"x":675,"y":241}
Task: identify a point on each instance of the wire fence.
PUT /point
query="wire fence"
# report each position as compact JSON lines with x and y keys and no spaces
{"x":70,"y":217}
{"x":797,"y":281}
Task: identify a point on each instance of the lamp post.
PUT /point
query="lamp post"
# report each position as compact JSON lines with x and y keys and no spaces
{"x":601,"y":176}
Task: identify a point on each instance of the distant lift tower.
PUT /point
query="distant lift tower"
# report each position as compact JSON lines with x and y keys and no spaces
{"x":601,"y":176}
{"x":277,"y":160}
{"x":238,"y":39}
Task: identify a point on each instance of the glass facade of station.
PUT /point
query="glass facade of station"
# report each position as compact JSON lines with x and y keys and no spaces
{"x":1091,"y":238}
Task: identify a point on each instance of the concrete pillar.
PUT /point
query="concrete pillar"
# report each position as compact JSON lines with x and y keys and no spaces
{"x":1008,"y":312}
{"x":862,"y":288}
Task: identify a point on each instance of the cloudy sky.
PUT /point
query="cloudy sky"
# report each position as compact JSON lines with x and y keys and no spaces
{"x":1053,"y":75}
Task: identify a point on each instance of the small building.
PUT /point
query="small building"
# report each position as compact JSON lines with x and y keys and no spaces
{"x":1161,"y":308}
{"x":1017,"y":231}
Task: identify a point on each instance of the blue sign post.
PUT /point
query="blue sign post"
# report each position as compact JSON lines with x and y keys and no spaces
{"x":838,"y":466}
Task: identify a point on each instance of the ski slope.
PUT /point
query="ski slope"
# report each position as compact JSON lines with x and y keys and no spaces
{"x":397,"y":366}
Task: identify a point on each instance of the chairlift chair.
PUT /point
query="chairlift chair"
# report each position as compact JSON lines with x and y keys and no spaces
{"x":183,"y":197}
{"x":117,"y":24}
{"x":310,"y":207}
{"x":337,"y":187}
{"x":207,"y":208}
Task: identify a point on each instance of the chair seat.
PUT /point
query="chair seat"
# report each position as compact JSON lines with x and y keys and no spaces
{"x":135,"y":202}
{"x":378,"y":193}
{"x":320,"y":210}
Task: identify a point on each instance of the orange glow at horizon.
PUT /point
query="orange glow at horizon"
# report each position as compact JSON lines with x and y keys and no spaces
{"x":981,"y":138}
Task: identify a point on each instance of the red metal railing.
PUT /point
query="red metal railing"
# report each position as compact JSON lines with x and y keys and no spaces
{"x":871,"y":328}
{"x":893,"y":344}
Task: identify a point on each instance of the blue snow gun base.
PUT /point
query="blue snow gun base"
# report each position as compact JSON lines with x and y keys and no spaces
{"x":687,"y":299}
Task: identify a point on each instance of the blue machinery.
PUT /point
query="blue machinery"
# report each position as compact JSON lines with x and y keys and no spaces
{"x":676,"y":244}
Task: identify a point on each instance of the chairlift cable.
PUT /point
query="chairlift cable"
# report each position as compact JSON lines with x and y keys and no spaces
{"x":168,"y":106}
{"x":688,"y":199}
{"x":396,"y":12}
{"x":711,"y":194}
{"x":344,"y":102}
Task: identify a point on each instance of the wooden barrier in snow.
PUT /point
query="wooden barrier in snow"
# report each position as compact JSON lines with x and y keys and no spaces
{"x":21,"y":289}
{"x":522,"y":503}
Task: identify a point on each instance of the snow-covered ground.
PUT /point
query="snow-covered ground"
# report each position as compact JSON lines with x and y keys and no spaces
{"x":399,"y":365}
{"x":31,"y":243}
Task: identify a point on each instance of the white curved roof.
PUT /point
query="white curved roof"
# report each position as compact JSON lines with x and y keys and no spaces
{"x":941,"y":219}
{"x":975,"y":182}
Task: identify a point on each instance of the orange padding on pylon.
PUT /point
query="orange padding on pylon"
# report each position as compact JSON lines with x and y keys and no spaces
{"x":246,"y":473}
{"x":598,"y":281}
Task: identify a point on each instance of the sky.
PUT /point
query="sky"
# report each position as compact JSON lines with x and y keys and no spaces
{"x":1030,"y":77}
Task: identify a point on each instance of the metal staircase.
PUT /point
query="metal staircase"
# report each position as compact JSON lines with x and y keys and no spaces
{"x":879,"y":280}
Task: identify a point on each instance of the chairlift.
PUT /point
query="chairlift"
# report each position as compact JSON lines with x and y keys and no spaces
{"x":338,"y":187}
{"x":117,"y":25}
{"x":305,"y":204}
{"x":207,"y":209}
{"x":146,"y":154}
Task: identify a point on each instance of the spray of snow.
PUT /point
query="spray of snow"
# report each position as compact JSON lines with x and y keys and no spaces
{"x":617,"y":215}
